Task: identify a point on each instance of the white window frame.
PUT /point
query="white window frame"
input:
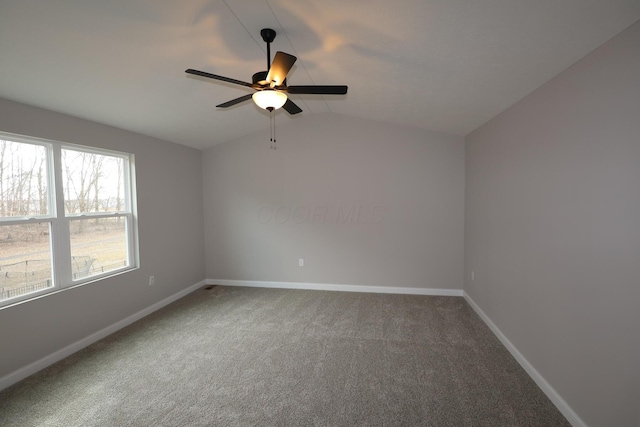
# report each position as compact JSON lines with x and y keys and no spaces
{"x":59,"y":221}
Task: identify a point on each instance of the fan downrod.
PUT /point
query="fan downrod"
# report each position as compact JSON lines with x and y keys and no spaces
{"x":268,"y":35}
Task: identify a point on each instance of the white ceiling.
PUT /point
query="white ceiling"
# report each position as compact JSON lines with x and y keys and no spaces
{"x":444,"y":65}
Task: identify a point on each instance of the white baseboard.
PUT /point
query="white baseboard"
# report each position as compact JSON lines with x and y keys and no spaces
{"x":337,"y":287}
{"x":56,"y":356}
{"x":553,"y":395}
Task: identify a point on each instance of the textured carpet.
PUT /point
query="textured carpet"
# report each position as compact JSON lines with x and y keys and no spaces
{"x":272,"y":357}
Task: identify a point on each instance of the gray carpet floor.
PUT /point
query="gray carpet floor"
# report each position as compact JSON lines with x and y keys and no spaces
{"x":274,"y":357}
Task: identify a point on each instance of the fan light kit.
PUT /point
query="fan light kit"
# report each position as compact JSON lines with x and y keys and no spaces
{"x":271,"y":85}
{"x":269,"y":99}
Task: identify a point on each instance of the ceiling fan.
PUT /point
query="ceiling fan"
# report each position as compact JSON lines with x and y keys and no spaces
{"x":271,"y":85}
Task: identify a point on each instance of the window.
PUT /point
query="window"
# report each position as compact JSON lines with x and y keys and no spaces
{"x":67,"y":216}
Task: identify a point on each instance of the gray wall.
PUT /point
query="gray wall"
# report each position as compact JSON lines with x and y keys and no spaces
{"x":363,"y":202}
{"x":553,"y":230}
{"x":169,"y":184}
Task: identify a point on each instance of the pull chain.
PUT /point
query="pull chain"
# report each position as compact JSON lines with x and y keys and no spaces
{"x":272,"y":129}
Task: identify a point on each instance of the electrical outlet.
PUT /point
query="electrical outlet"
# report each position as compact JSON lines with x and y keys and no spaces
{"x":473,"y":275}
{"x":152,"y":280}
{"x":300,"y":262}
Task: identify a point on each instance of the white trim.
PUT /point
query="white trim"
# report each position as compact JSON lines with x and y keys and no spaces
{"x":58,"y":355}
{"x":551,"y":393}
{"x":338,"y":287}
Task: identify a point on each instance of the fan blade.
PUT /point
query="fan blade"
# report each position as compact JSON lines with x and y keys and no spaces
{"x":235,"y":101}
{"x":216,"y":77}
{"x":280,"y":66}
{"x":291,"y":107}
{"x":317,"y":90}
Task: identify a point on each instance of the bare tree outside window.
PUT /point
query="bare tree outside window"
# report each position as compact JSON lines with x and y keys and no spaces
{"x":21,"y":168}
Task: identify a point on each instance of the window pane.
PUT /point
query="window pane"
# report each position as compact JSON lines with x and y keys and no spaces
{"x":23,"y":179}
{"x":25,"y":259}
{"x":92,"y":182}
{"x":98,"y":245}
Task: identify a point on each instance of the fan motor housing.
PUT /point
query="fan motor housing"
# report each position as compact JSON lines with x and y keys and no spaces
{"x":260,"y":78}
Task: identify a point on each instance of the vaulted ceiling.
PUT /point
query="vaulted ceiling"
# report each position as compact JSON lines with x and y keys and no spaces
{"x":444,"y":65}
